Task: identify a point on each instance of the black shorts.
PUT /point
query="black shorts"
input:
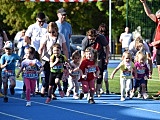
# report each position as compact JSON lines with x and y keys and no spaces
{"x":53,"y":76}
{"x":158,"y":57}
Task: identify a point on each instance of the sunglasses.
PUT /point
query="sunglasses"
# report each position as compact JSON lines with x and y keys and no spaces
{"x":8,"y":48}
{"x":64,"y":14}
{"x":51,"y":32}
{"x":41,"y":21}
{"x":127,"y":58}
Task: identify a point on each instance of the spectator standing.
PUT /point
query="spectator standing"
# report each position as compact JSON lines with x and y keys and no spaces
{"x":102,"y":29}
{"x":45,"y":50}
{"x":3,"y":38}
{"x":98,"y":42}
{"x":19,"y":40}
{"x":125,"y":38}
{"x":35,"y":32}
{"x":8,"y":65}
{"x":66,"y":29}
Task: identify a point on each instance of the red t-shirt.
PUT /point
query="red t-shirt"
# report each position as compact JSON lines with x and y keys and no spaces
{"x":157,"y":35}
{"x":91,"y":68}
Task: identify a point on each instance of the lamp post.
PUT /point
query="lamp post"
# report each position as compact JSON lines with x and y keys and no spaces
{"x":127,"y":13}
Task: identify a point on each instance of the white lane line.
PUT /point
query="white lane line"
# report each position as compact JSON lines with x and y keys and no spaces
{"x":13,"y":116}
{"x":84,"y":113}
{"x":143,"y":109}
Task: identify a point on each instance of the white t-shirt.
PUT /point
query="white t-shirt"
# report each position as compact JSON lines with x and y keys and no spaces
{"x":36,"y":32}
{"x":126,"y":39}
{"x":50,"y":41}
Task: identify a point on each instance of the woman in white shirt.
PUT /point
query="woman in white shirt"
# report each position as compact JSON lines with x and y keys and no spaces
{"x":47,"y":41}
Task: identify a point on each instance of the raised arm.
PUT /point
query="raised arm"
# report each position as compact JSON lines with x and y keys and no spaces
{"x":148,"y":11}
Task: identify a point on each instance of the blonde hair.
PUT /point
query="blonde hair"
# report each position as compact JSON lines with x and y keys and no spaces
{"x":52,"y":26}
{"x":140,"y":54}
{"x":126,"y":53}
{"x":90,"y":49}
{"x":139,"y":41}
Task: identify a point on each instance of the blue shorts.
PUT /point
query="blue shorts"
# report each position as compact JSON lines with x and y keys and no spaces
{"x":139,"y":82}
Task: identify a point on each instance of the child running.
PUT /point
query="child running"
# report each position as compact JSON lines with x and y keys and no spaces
{"x":57,"y":61}
{"x":74,"y":75}
{"x":8,"y":65}
{"x":142,"y":74}
{"x":126,"y":68}
{"x":31,"y":69}
{"x":90,"y":73}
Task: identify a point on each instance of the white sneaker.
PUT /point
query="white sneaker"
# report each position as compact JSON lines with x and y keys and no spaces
{"x":101,"y":91}
{"x":28,"y":103}
{"x":145,"y":96}
{"x":139,"y":95}
{"x":76,"y":97}
{"x":122,"y":99}
{"x":131,"y":95}
{"x":68,"y":94}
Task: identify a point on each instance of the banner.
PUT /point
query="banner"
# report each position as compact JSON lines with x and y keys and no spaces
{"x":62,"y":0}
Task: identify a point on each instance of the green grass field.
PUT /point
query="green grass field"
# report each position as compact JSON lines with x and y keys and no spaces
{"x":114,"y":84}
{"x":153,"y":84}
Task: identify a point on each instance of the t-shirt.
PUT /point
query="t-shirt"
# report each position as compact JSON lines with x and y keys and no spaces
{"x":31,"y":68}
{"x":88,"y":68}
{"x":36,"y":32}
{"x":11,"y":60}
{"x":99,"y":43}
{"x":142,"y":70}
{"x":49,"y":42}
{"x":126,"y":70}
{"x":126,"y":39}
{"x":66,"y":29}
{"x":58,"y":68}
{"x":75,"y":74}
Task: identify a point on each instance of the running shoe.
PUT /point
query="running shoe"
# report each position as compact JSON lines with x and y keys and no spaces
{"x":48,"y":100}
{"x":139,"y":95}
{"x":68,"y":93}
{"x":131,"y":95}
{"x":122,"y":99}
{"x":107,"y":92}
{"x":61,"y":93}
{"x":5,"y":99}
{"x":91,"y":101}
{"x":76,"y":97}
{"x":28,"y":103}
{"x":145,"y":96}
{"x":81,"y":96}
{"x":54,"y":97}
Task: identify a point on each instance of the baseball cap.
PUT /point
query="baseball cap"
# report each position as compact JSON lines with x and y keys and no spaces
{"x":62,"y":11}
{"x":8,"y":44}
